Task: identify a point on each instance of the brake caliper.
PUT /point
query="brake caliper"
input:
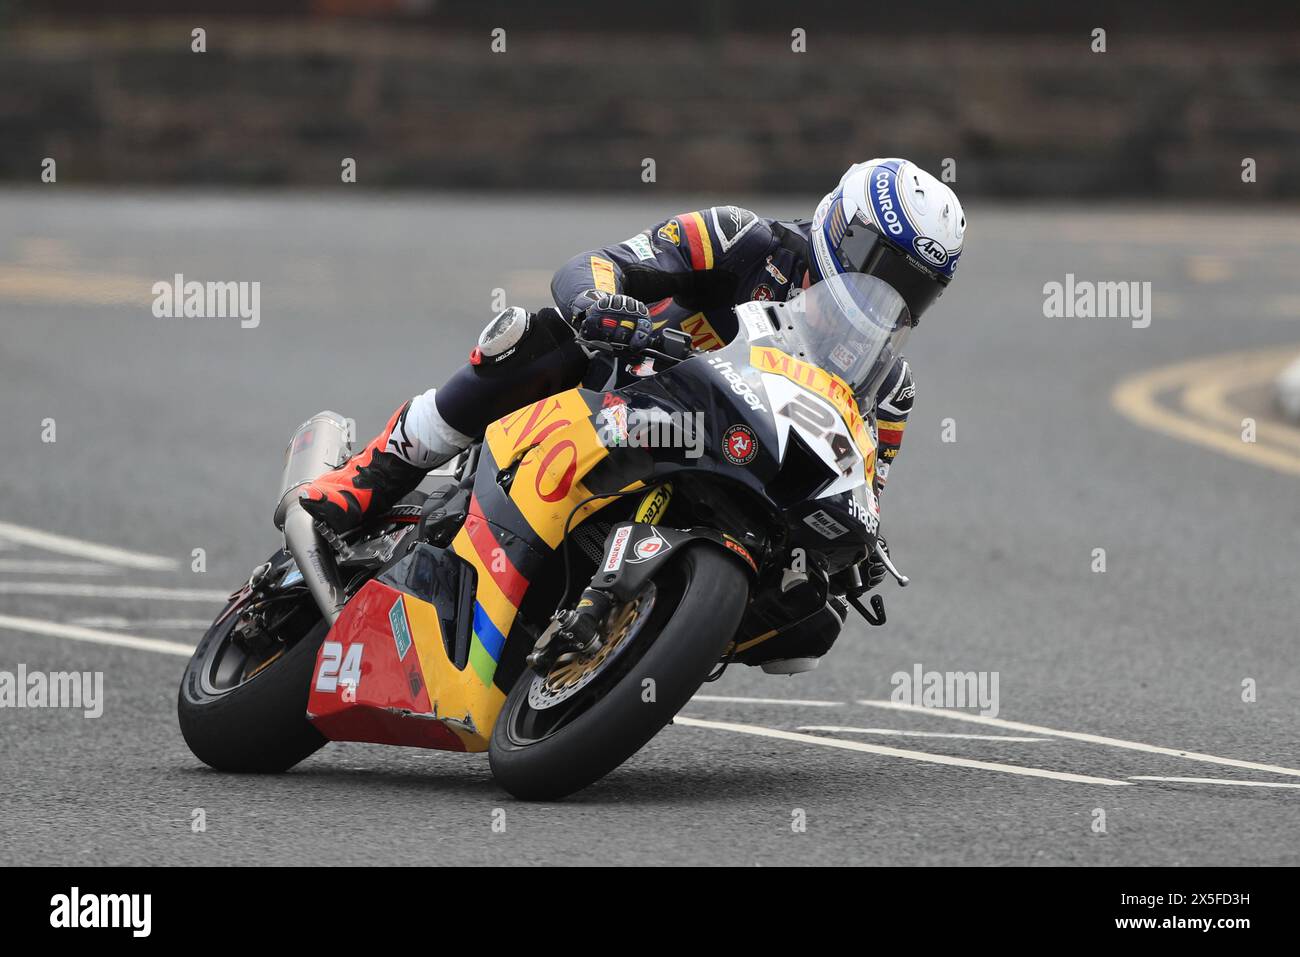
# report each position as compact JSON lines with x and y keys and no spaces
{"x":573,"y":631}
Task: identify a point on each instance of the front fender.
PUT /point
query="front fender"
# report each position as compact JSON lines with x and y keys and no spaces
{"x":634,"y":552}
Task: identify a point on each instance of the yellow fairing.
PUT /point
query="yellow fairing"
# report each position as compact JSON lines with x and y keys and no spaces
{"x":466,"y":705}
{"x":559,"y":447}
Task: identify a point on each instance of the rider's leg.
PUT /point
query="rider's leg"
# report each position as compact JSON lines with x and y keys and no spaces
{"x":519,"y":358}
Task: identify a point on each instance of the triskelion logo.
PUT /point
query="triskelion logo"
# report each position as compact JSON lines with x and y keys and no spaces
{"x":76,"y":909}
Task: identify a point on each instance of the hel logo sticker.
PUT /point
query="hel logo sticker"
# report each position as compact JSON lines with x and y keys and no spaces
{"x":650,"y":547}
{"x":401,"y":630}
{"x":931,"y":250}
{"x":670,"y":232}
{"x":617,"y":549}
{"x":739,"y":445}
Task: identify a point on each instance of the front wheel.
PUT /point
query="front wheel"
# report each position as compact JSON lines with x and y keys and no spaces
{"x":557,"y":734}
{"x":243,"y":698}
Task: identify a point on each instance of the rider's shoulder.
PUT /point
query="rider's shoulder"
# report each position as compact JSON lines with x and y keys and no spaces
{"x":717,"y":233}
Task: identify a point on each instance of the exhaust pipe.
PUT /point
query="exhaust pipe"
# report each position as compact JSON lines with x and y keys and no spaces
{"x":319,"y":445}
{"x":315,"y":561}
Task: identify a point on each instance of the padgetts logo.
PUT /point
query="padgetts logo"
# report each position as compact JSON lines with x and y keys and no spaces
{"x":208,"y":300}
{"x":74,"y":910}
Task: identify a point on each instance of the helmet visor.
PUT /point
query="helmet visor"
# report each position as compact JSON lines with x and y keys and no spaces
{"x":865,"y":250}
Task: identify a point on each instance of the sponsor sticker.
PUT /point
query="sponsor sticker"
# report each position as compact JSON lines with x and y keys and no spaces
{"x":824,"y":525}
{"x":602,"y":274}
{"x":843,"y":356}
{"x":652,"y":506}
{"x":640,"y":246}
{"x":739,"y":445}
{"x":736,"y":380}
{"x":755,"y":322}
{"x":740,"y":550}
{"x":617,"y":549}
{"x":613,"y":430}
{"x":670,"y":232}
{"x":763,"y":293}
{"x":931,"y":250}
{"x":401,"y":629}
{"x":650,"y":547}
{"x":774,"y":272}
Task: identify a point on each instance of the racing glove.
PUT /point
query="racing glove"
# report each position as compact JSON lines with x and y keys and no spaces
{"x":617,"y":319}
{"x":873,"y":569}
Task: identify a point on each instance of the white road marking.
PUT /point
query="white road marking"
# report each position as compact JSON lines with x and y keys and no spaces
{"x":922,"y":756}
{"x":79,"y":548}
{"x":1244,"y":784}
{"x":1082,"y":736}
{"x":730,"y":700}
{"x":111,"y":621}
{"x":54,"y":629}
{"x":45,"y":567}
{"x":913,"y":734}
{"x":142,"y":592}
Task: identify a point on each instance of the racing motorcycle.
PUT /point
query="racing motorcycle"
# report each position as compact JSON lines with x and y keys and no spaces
{"x":579,"y":572}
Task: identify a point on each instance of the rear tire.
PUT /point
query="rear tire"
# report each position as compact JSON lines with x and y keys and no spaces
{"x":260,"y":725}
{"x":702,"y":595}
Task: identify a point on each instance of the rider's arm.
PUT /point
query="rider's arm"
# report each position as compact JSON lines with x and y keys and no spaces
{"x":694,"y":257}
{"x":893,"y":405}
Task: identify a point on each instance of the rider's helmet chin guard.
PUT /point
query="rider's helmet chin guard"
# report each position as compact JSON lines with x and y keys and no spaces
{"x":890,"y":219}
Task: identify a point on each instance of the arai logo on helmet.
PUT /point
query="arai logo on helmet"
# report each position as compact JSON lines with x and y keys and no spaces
{"x":931,"y":250}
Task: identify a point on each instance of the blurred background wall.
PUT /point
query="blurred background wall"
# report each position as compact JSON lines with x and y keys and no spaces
{"x":711,"y":90}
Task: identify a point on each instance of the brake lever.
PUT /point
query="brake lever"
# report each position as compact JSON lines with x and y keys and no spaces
{"x":903,"y":580}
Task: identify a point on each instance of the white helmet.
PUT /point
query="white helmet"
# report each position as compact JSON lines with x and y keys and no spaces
{"x":890,"y":218}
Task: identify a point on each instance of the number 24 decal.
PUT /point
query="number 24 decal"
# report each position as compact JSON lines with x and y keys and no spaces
{"x":339,"y":668}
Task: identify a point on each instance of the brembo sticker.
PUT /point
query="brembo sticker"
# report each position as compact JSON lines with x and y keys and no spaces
{"x":617,"y":549}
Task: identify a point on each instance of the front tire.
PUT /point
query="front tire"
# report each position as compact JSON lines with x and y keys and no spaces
{"x":249,"y":717}
{"x":697,"y":603}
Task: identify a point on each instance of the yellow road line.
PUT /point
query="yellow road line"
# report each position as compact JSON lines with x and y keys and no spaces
{"x":1208,"y":420}
{"x":40,"y":286}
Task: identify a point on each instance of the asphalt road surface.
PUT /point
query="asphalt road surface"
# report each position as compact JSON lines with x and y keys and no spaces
{"x":1130,"y":740}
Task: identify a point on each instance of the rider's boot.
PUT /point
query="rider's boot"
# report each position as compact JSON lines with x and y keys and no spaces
{"x":415,"y":440}
{"x":520,"y":358}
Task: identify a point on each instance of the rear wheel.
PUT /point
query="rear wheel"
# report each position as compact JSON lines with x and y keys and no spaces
{"x":558,"y":733}
{"x":243,"y":699}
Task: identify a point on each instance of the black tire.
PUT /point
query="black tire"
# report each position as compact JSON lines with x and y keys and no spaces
{"x":706,"y":592}
{"x":259,"y":725}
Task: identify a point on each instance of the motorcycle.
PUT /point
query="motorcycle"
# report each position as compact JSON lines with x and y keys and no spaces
{"x":706,"y":508}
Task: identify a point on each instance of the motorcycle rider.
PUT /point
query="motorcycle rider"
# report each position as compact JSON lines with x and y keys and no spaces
{"x":886,"y":217}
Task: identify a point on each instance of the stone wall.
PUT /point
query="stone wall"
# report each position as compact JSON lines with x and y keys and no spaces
{"x":284,"y":103}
